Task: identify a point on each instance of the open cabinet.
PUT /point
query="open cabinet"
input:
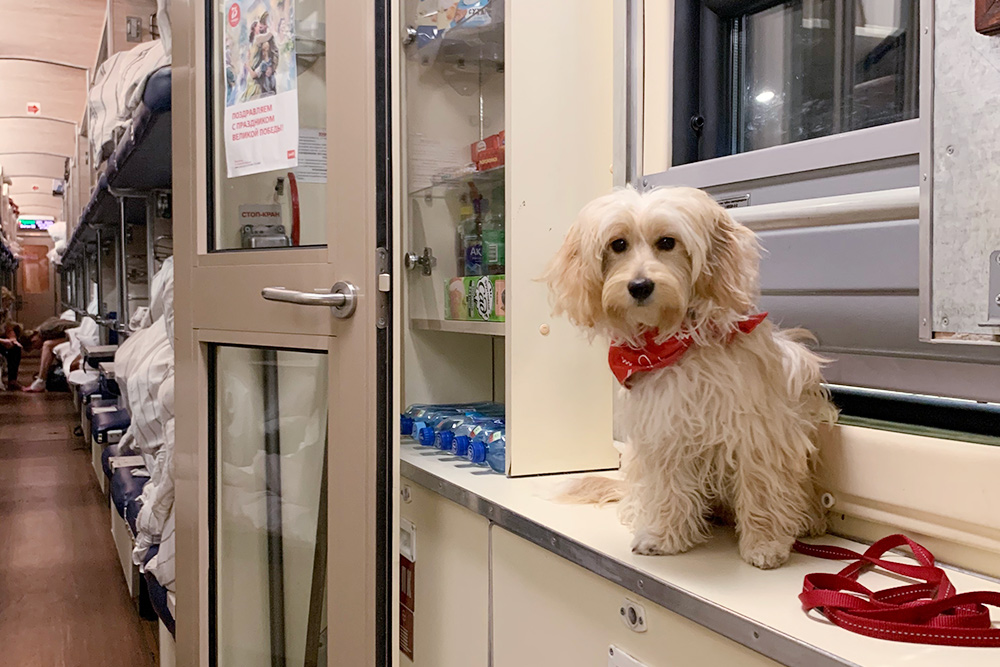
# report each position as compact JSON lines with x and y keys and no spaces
{"x":505,"y":133}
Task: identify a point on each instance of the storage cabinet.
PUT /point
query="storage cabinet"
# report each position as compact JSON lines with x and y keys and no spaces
{"x":480,"y":590}
{"x":549,"y":611}
{"x":506,"y":132}
{"x":450,"y":581}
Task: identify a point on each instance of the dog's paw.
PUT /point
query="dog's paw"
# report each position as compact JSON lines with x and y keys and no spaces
{"x":817,"y":525}
{"x":647,"y":544}
{"x":767,"y":554}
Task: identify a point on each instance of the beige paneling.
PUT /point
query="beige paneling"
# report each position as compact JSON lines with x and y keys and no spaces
{"x":245,"y":309}
{"x":938,"y":490}
{"x":548,"y":611}
{"x":38,"y":201}
{"x":55,"y":30}
{"x":32,"y":185}
{"x":27,"y":164}
{"x":559,"y":146}
{"x":657,"y":91}
{"x":451,"y":576}
{"x":26,"y":135}
{"x":120,"y":11}
{"x":61,"y":91}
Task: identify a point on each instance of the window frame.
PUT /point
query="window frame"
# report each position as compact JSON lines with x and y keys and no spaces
{"x":713,"y":52}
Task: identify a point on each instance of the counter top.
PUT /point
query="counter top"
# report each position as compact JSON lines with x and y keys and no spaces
{"x":710,"y":584}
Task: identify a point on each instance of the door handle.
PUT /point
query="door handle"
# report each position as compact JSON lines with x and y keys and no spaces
{"x":342,"y":298}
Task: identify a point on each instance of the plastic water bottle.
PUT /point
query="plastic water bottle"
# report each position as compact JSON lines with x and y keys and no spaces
{"x":457,"y":441}
{"x":479,"y":449}
{"x":425,"y":429}
{"x":496,"y":451}
{"x":419,"y":410}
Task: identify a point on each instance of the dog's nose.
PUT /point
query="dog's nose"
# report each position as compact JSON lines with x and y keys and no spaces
{"x":641,"y":288}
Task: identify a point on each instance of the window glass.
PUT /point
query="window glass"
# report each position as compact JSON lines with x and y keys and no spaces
{"x":269,"y":526}
{"x":268,"y":124}
{"x":792,"y":71}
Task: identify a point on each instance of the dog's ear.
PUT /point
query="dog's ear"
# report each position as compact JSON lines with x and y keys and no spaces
{"x":574,"y":276}
{"x":730,"y":274}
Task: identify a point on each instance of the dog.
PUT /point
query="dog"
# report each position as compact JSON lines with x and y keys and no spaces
{"x":722,"y":410}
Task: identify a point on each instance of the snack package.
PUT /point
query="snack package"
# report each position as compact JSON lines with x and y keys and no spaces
{"x":488,"y":153}
{"x":467,"y":13}
{"x":476,"y":299}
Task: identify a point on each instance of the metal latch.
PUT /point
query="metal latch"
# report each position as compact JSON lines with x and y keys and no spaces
{"x":426,"y":262}
{"x":384,"y":287}
{"x":993,"y":305}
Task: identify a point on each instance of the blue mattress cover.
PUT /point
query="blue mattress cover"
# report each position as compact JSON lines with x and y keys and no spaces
{"x":107,"y":421}
{"x":158,"y":594}
{"x":102,"y":209}
{"x":90,"y":389}
{"x":125,"y":491}
{"x":109,"y":451}
{"x":142,"y":159}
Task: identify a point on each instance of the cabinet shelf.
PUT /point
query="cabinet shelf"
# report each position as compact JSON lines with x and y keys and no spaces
{"x":465,"y":48}
{"x":460,"y":326}
{"x":447,"y":186}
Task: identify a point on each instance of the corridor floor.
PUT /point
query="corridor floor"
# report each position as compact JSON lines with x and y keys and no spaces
{"x":63,"y":599}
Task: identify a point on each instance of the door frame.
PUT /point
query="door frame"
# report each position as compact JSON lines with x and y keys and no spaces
{"x":361,"y":470}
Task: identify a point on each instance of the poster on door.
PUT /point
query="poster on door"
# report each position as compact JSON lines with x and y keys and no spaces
{"x":262,"y":106}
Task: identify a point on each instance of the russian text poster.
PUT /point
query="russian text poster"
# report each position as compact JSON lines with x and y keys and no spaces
{"x":262,"y":107}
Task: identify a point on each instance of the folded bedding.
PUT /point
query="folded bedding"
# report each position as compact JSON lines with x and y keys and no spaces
{"x":144,"y":368}
{"x":116,"y":93}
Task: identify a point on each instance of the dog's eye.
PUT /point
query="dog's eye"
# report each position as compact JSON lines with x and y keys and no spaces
{"x":665,"y":243}
{"x":619,"y":245}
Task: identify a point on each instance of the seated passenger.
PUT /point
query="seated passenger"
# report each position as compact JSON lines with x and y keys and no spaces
{"x":11,"y":349}
{"x":49,"y":334}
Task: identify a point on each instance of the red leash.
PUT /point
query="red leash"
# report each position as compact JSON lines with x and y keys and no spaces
{"x":925,"y":613}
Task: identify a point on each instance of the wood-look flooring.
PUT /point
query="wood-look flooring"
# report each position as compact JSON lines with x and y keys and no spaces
{"x":63,"y":599}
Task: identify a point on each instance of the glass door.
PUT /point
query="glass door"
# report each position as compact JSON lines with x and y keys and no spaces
{"x":283,"y":506}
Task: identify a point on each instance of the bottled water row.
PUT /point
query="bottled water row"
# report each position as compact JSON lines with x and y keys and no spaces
{"x":473,"y":431}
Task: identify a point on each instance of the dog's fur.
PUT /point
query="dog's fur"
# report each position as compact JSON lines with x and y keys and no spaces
{"x":730,"y":431}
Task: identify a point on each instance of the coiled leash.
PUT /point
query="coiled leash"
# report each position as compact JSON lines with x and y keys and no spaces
{"x":931,"y":612}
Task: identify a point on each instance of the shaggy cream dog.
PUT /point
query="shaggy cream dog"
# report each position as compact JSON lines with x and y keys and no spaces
{"x":721,"y":409}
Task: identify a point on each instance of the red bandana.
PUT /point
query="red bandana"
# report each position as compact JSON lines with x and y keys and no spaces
{"x":626,"y":361}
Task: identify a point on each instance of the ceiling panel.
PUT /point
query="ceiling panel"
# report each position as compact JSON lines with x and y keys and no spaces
{"x":32,"y":165}
{"x":26,"y":135}
{"x":61,"y":91}
{"x":56,"y":30}
{"x":37,"y":199}
{"x":22,"y":185}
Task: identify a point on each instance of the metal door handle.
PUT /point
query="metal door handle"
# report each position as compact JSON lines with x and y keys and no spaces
{"x":342,"y":298}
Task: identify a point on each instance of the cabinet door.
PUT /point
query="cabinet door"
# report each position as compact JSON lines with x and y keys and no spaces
{"x":506,"y":133}
{"x":280,"y":328}
{"x":449,"y":580}
{"x":548,"y":611}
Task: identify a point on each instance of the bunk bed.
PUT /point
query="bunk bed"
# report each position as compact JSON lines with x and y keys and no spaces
{"x":127,"y":412}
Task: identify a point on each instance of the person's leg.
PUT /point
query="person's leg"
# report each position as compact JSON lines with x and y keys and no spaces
{"x":13,"y":365}
{"x":48,"y":358}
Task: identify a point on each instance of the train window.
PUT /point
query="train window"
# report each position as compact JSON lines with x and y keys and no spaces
{"x":763,"y":74}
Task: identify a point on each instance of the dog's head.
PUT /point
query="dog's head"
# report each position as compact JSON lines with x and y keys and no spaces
{"x":668,"y":259}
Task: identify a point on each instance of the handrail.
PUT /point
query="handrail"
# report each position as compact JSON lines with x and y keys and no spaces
{"x":878,"y":206}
